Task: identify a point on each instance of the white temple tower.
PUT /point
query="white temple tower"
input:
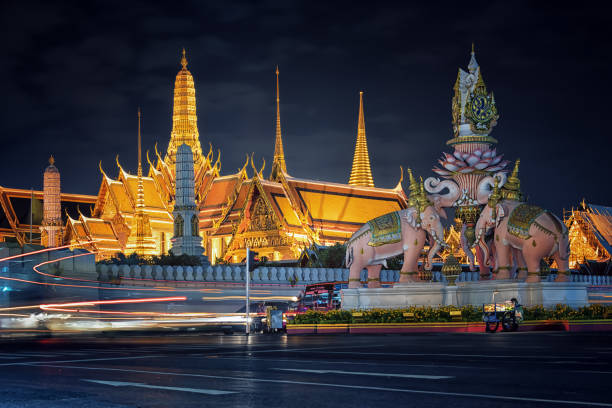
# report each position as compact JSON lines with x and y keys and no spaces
{"x":186,"y":238}
{"x":52,"y":208}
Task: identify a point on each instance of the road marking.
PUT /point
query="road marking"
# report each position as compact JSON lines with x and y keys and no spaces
{"x":426,"y":377}
{"x":302,"y":361}
{"x":28,"y":355}
{"x":447,"y":355}
{"x":79,"y":361}
{"x":359,"y":387}
{"x":592,"y":371}
{"x":160,"y":387}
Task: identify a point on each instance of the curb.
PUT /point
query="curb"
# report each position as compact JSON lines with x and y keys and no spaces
{"x":446,"y":327}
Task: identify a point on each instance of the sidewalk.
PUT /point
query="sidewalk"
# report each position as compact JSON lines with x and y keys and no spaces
{"x":446,"y":327}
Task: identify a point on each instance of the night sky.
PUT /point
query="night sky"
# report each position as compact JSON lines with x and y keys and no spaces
{"x":73,"y":75}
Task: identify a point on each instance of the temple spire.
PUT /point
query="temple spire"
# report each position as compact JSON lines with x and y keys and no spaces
{"x":361,"y":173}
{"x":140,"y":239}
{"x":139,"y":147}
{"x":184,"y":117}
{"x":279,"y":154}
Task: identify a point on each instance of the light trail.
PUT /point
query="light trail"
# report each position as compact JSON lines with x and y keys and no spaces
{"x":292,"y":298}
{"x":40,"y":251}
{"x":113,"y":302}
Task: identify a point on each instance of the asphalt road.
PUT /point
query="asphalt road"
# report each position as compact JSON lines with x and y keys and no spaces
{"x":429,"y":370}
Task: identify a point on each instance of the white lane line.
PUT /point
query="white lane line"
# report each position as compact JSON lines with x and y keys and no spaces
{"x":425,"y":377}
{"x":79,"y":360}
{"x":360,"y":387}
{"x":161,"y":387}
{"x":288,"y":350}
{"x":592,"y":371}
{"x":29,"y":355}
{"x":447,"y":355}
{"x":301,"y":361}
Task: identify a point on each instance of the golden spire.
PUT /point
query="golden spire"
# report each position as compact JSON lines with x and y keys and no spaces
{"x":140,"y":191}
{"x":184,"y":118}
{"x":278,"y":163}
{"x":139,"y":147}
{"x":361,"y":174}
{"x":140,"y":239}
{"x":184,"y":58}
{"x":413,"y":188}
{"x":51,"y":160}
{"x":512,"y":188}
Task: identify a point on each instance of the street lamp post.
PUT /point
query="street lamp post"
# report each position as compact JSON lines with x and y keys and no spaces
{"x":247,"y":281}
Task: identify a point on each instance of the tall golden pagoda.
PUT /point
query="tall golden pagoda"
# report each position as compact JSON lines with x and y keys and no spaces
{"x":278,"y":164}
{"x":184,"y":118}
{"x":361,"y":174}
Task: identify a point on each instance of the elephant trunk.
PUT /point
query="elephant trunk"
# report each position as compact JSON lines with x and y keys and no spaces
{"x":466,"y":248}
{"x":437,"y":238}
{"x":485,"y":251}
{"x":434,"y":186}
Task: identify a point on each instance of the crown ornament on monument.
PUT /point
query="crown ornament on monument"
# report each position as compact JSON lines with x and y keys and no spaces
{"x":473,"y":109}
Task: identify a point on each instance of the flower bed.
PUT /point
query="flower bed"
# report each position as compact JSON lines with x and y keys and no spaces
{"x":443,"y":314}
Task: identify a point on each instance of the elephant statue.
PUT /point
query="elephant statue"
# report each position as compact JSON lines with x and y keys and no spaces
{"x":523,"y":234}
{"x":392,"y":234}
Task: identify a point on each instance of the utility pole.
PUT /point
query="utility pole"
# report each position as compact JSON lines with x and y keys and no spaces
{"x":247,"y":281}
{"x":31,"y":200}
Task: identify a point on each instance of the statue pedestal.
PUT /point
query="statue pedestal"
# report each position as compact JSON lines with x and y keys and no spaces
{"x":400,"y":296}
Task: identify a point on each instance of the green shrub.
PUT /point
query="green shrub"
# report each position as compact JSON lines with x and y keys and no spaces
{"x":442,"y":314}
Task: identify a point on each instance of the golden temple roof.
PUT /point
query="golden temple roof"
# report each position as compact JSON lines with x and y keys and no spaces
{"x":361,"y":174}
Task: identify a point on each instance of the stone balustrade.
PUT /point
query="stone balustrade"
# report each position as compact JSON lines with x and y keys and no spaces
{"x":280,"y":275}
{"x":230,"y":273}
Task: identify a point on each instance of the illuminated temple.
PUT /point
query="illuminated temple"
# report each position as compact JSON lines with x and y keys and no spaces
{"x":590,"y":233}
{"x":277,"y":215}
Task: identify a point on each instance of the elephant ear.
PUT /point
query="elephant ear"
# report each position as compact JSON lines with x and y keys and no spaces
{"x":499,"y":209}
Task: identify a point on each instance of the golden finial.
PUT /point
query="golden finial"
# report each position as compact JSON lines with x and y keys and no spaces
{"x":51,"y":160}
{"x":422,"y":196}
{"x":495,"y":195}
{"x":413,"y":188}
{"x":399,"y":183}
{"x":184,"y":59}
{"x":516,"y":170}
{"x":512,"y":188}
{"x":413,"y":182}
{"x":472,"y":48}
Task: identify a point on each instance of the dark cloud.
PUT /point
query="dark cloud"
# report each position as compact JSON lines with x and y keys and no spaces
{"x":73,"y":75}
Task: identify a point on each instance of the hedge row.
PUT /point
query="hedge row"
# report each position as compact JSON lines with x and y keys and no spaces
{"x":442,"y":314}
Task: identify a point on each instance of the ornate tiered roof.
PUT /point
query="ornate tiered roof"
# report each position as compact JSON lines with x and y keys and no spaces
{"x":590,"y":233}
